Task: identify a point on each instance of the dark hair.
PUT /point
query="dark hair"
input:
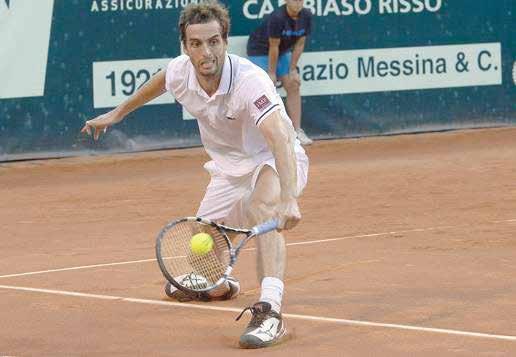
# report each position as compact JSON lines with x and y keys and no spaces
{"x":202,"y":13}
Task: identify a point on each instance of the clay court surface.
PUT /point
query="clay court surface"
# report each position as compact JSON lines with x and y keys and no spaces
{"x":407,"y":248}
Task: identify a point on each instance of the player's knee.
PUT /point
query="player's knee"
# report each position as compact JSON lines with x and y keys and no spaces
{"x":292,"y":87}
{"x":261,"y":205}
{"x":261,"y":208}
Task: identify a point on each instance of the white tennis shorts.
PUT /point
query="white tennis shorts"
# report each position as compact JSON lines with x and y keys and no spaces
{"x":225,"y":195}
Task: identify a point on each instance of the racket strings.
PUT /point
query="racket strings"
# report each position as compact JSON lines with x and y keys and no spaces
{"x":188,"y":269}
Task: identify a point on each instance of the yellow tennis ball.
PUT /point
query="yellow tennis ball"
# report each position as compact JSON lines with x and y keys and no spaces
{"x":201,"y":243}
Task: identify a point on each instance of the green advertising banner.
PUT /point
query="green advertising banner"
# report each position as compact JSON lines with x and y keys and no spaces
{"x":370,"y":67}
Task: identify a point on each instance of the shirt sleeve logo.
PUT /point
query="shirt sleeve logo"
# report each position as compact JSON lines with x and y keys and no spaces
{"x":262,"y":102}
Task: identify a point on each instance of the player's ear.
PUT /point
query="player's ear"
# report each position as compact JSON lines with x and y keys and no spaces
{"x":184,"y":48}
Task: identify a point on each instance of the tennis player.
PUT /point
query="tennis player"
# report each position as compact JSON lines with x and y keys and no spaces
{"x":258,"y":168}
{"x":276,"y":46}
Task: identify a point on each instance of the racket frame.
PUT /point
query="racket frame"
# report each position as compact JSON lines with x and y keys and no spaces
{"x":233,"y":251}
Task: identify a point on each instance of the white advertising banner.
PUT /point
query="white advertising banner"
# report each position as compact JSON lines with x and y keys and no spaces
{"x":115,"y":81}
{"x":24,"y":40}
{"x":335,"y":72}
{"x":404,"y":68}
{"x":395,"y":69}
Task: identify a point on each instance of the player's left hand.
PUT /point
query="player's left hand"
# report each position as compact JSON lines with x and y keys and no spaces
{"x":99,"y":125}
{"x":288,"y":214}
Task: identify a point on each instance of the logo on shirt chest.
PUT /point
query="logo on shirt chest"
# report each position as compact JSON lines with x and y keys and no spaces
{"x":292,"y":33}
{"x":262,"y":102}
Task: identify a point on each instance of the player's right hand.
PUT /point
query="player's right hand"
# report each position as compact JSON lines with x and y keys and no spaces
{"x":95,"y":127}
{"x":288,"y":214}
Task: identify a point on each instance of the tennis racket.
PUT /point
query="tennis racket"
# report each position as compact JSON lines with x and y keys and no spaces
{"x":199,"y":274}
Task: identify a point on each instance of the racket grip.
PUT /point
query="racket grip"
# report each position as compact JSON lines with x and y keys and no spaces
{"x":265,"y":227}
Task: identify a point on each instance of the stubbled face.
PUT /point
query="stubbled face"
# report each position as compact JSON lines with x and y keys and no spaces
{"x":294,"y":6}
{"x":206,"y":48}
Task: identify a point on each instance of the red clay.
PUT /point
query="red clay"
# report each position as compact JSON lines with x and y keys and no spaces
{"x":427,"y":237}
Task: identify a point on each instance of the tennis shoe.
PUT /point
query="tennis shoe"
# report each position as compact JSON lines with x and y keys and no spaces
{"x":266,"y":327}
{"x":303,"y":138}
{"x":229,"y":290}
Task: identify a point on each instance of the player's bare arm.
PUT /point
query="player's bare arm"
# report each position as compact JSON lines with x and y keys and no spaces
{"x":152,"y":89}
{"x":280,"y":138}
{"x":273,"y":57}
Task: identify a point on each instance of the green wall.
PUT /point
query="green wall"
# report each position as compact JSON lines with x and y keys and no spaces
{"x":371,"y":67}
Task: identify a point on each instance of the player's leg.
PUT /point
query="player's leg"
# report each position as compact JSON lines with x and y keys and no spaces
{"x":261,"y":207}
{"x":293,"y":102}
{"x":266,"y":326}
{"x":293,"y":89}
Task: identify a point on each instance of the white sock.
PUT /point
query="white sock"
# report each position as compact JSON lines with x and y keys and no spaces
{"x":272,"y":292}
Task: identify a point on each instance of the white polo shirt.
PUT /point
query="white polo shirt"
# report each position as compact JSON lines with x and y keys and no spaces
{"x":229,"y":119}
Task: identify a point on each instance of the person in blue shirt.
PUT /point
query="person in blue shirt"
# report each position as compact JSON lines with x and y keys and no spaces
{"x":276,"y":46}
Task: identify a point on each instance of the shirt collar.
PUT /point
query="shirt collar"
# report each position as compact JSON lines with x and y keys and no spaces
{"x":226,"y":80}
